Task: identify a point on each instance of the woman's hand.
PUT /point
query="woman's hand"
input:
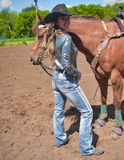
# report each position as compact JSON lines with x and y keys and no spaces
{"x":79,"y":79}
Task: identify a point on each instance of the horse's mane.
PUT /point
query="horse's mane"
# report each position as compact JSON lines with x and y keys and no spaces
{"x":84,"y":17}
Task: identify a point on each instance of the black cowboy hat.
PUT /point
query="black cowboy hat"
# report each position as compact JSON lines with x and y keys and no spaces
{"x":57,"y":11}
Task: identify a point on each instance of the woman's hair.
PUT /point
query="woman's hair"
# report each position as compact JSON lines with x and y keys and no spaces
{"x":53,"y":32}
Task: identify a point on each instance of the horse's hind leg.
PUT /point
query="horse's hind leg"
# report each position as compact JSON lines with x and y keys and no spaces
{"x":117,"y":85}
{"x":103,"y":83}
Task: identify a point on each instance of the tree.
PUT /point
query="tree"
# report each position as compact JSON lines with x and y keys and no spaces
{"x":1,"y":26}
{"x":96,"y":10}
{"x":26,"y":9}
{"x":8,"y":19}
{"x":112,"y":13}
{"x":122,"y":4}
{"x":71,"y":9}
{"x":115,"y":7}
{"x":24,"y":24}
{"x":43,"y":13}
{"x":108,"y":10}
{"x":82,"y":10}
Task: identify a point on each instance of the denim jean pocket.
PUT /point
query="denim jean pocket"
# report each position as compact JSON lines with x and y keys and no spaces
{"x":63,"y":85}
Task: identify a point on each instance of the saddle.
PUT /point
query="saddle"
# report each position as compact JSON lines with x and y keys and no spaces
{"x":119,"y":19}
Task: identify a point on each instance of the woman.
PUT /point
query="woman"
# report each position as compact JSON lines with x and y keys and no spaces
{"x":65,"y":81}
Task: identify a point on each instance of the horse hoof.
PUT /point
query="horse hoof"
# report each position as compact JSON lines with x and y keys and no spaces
{"x":99,"y":123}
{"x":114,"y":135}
{"x":116,"y":132}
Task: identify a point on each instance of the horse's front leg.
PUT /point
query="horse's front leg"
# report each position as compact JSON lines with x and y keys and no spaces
{"x":103,"y":83}
{"x":117,"y":85}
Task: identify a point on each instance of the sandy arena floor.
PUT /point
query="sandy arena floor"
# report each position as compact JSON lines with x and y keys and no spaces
{"x":27,"y":106}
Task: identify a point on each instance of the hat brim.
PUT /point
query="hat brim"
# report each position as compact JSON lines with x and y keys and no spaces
{"x":53,"y":16}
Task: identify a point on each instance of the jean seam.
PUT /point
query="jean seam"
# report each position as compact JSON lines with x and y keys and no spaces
{"x":90,"y":111}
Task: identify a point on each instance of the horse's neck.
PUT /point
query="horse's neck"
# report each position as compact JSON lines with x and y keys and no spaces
{"x":87,"y":35}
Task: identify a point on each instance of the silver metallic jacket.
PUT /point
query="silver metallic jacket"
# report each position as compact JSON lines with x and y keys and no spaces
{"x":66,"y":55}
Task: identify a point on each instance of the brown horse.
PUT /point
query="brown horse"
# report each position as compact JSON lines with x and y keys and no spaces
{"x":88,"y":36}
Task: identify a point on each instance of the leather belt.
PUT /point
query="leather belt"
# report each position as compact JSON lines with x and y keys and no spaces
{"x":60,"y":71}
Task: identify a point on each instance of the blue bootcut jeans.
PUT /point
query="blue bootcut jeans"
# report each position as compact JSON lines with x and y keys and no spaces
{"x":64,"y":87}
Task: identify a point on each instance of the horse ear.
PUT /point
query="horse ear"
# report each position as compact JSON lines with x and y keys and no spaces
{"x":39,"y":18}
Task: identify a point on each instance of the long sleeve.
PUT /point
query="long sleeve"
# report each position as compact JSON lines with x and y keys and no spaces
{"x":66,"y":55}
{"x":69,"y":58}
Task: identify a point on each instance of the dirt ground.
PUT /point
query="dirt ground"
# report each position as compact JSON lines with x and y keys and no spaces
{"x":27,"y":106}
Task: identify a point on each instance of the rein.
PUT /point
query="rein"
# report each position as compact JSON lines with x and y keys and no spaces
{"x":44,"y":68}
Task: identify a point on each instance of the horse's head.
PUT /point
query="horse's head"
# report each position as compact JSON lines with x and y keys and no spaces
{"x":39,"y":50}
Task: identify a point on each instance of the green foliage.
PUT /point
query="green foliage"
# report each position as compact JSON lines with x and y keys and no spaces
{"x":43,"y":13}
{"x":1,"y":26}
{"x":115,"y":7}
{"x":71,"y":9}
{"x":110,"y":11}
{"x":8,"y":20}
{"x":24,"y":42}
{"x":122,"y":4}
{"x":95,"y":10}
{"x":24,"y":23}
{"x":82,"y":10}
{"x":16,"y":40}
{"x":26,"y":9}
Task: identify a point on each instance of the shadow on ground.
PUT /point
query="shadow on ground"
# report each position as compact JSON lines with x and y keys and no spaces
{"x":96,"y":111}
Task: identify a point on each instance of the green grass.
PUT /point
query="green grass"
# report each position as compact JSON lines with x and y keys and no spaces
{"x":17,"y":41}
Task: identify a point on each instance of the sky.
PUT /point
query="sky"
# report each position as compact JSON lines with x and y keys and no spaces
{"x":18,"y":5}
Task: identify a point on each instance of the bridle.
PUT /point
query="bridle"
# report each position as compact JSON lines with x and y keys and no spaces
{"x":44,"y":47}
{"x":44,"y":44}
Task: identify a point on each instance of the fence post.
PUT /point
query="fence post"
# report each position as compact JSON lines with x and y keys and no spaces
{"x":2,"y":40}
{"x":10,"y":41}
{"x":18,"y":39}
{"x":25,"y":40}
